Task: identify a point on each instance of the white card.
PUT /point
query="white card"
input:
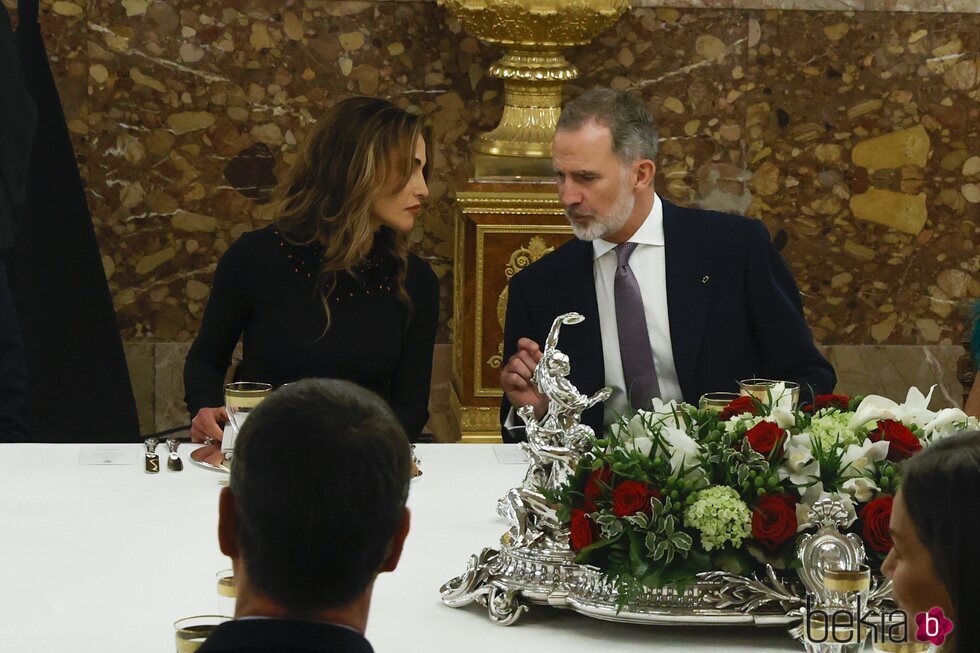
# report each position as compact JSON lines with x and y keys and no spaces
{"x":107,"y":455}
{"x":510,"y":454}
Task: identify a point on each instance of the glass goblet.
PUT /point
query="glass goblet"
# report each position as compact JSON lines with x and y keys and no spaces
{"x":241,"y":398}
{"x":715,"y":402}
{"x":190,"y":632}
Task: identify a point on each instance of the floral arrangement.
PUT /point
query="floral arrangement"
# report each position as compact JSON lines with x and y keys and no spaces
{"x":668,"y":493}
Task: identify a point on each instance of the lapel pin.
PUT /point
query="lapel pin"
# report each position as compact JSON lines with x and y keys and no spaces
{"x":705,"y":279}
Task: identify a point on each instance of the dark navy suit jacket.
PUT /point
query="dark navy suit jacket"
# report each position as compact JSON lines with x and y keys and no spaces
{"x":283,"y":636}
{"x":735,"y":311}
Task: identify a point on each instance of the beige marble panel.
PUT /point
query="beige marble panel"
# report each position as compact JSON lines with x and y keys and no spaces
{"x":140,"y":357}
{"x":890,"y":370}
{"x":170,"y":409}
{"x":898,"y":6}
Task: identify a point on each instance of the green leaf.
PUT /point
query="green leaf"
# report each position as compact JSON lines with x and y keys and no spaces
{"x":598,"y":544}
{"x":682,"y":541}
{"x":651,"y":542}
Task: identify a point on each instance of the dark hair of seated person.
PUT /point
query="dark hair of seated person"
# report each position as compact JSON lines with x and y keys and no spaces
{"x":940,"y":488}
{"x":320,"y":477}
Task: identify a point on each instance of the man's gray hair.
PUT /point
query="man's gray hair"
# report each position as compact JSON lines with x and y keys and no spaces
{"x":634,"y":133}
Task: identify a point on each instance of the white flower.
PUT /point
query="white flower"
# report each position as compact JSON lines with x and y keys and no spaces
{"x":799,"y":466}
{"x":642,"y":445}
{"x":782,"y":416}
{"x":859,"y":459}
{"x":915,"y":410}
{"x":947,"y":422}
{"x":861,"y":489}
{"x":683,"y":448}
{"x":831,"y":430}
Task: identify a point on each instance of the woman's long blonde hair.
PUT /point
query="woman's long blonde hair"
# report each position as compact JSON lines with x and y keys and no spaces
{"x":354,"y":153}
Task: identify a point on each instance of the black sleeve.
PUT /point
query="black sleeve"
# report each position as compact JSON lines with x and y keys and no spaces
{"x":224,"y":319}
{"x":780,"y":327}
{"x":409,"y":389}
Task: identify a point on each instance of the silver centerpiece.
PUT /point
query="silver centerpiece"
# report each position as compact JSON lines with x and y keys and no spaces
{"x":536,"y":565}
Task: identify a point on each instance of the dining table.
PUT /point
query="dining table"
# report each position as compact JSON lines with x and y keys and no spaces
{"x":99,"y":556}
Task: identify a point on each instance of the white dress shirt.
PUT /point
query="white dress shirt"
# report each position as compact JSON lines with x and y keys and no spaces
{"x":648,"y":263}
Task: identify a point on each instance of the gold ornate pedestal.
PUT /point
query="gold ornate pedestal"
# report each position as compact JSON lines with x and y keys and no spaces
{"x":502,"y":227}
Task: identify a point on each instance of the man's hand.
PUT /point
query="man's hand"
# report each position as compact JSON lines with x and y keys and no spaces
{"x":208,"y":424}
{"x":515,"y":378}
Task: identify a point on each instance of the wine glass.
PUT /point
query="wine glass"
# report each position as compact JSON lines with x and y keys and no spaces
{"x":715,"y":402}
{"x":781,"y":394}
{"x":190,"y":632}
{"x":241,"y":398}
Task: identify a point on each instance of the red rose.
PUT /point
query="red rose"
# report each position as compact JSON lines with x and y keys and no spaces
{"x":595,"y":486}
{"x":902,"y":442}
{"x":840,"y":402}
{"x":764,"y":437}
{"x":581,"y":529}
{"x":631,"y":497}
{"x":774,"y":520}
{"x":875,"y":517}
{"x":738,"y":406}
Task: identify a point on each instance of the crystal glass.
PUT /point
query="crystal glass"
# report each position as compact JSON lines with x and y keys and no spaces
{"x":190,"y":632}
{"x":715,"y":402}
{"x":834,"y":626}
{"x":226,"y":583}
{"x":227,"y":591}
{"x":784,"y":394}
{"x":241,"y":398}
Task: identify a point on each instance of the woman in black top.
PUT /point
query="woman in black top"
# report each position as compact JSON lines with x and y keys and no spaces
{"x":330,"y":290}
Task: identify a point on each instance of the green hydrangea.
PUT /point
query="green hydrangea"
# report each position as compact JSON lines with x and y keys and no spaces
{"x":830,"y":429}
{"x":720,"y":515}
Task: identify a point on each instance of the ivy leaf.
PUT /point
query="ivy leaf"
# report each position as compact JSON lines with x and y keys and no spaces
{"x":640,"y":520}
{"x":651,"y":542}
{"x":681,"y":541}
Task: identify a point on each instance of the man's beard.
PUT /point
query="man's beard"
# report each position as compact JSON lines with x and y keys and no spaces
{"x":601,"y":226}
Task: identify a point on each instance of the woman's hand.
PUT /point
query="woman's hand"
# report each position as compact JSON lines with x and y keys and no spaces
{"x":208,"y":424}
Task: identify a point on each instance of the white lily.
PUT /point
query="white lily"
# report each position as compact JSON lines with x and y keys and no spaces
{"x":799,"y":466}
{"x":860,"y":458}
{"x":948,"y":421}
{"x":861,"y":488}
{"x":683,"y":449}
{"x":782,"y":416}
{"x":915,"y":409}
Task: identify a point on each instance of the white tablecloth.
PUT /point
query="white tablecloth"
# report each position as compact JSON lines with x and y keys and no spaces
{"x":103,"y":558}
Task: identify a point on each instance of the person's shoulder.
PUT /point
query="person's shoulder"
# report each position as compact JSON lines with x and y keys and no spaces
{"x":420,"y":278}
{"x":720,"y":226}
{"x":254,"y":242}
{"x":717,"y":219}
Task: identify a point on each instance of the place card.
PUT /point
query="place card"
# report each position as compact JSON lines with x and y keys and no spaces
{"x":109,"y":455}
{"x":510,"y":454}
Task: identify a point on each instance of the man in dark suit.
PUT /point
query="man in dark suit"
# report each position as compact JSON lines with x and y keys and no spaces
{"x":314,"y":511}
{"x":677,"y":302}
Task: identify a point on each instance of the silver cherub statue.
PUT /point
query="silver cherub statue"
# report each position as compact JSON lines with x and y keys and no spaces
{"x":554,"y":445}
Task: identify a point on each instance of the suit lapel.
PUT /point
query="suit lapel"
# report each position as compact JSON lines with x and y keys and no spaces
{"x":688,"y":269}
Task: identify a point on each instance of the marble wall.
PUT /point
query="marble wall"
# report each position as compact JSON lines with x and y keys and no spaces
{"x":852,"y":134}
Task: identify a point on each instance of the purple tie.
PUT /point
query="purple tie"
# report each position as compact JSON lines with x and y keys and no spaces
{"x":634,"y":339}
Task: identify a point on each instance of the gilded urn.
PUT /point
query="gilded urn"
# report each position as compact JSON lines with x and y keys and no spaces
{"x":533,"y":34}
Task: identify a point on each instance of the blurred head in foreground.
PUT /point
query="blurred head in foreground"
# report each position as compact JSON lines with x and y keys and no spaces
{"x":316,"y":504}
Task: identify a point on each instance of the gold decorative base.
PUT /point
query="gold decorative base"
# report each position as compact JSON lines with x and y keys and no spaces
{"x":502,"y":227}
